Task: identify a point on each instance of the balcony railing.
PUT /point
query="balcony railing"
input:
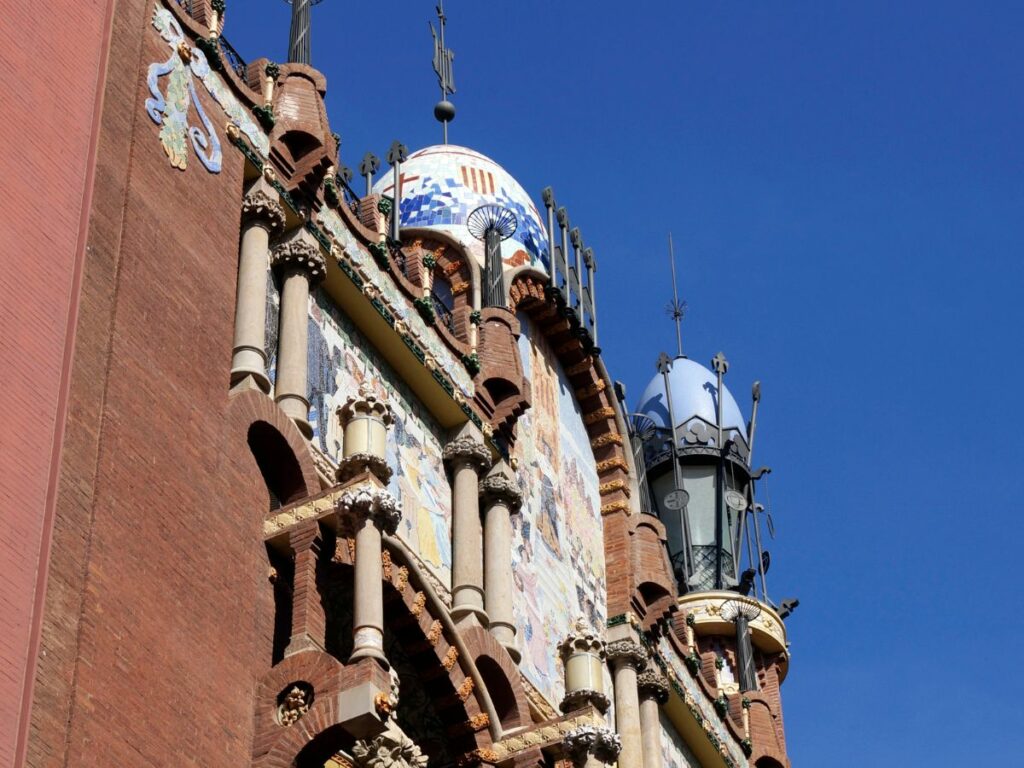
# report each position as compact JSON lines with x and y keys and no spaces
{"x":443,"y":312}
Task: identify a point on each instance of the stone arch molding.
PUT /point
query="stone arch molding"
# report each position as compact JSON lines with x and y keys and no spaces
{"x":472,"y":721}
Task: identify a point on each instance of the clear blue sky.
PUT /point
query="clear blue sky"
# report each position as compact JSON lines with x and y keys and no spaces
{"x":844,"y":183}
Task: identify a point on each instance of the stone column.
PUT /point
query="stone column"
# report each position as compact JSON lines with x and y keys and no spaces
{"x":628,"y":659}
{"x":301,"y":265}
{"x":375,"y":511}
{"x":502,"y":499}
{"x":307,"y":612}
{"x":653,"y":688}
{"x":591,"y":746}
{"x":262,"y":217}
{"x":583,"y":655}
{"x":468,"y":457}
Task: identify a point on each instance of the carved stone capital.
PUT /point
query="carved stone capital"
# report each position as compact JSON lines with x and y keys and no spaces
{"x":574,"y":700}
{"x":591,"y":740}
{"x":365,"y":403}
{"x":302,"y":255}
{"x":502,"y":488}
{"x":261,"y":209}
{"x":377,"y":505}
{"x":470,"y":450}
{"x":582,"y":639}
{"x":627,"y":652}
{"x":392,"y":749}
{"x":651,"y":683}
{"x":357,"y":463}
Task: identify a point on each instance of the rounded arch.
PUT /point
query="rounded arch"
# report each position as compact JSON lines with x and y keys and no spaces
{"x":501,"y":678}
{"x":280,"y":451}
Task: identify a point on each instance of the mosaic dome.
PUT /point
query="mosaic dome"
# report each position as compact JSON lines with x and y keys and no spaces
{"x":694,"y":392}
{"x":443,"y":184}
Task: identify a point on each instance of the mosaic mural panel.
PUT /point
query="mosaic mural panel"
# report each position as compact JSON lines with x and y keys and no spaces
{"x":396,"y":301}
{"x":558,"y":548}
{"x":170,"y":109}
{"x":674,"y":751}
{"x":340,"y":359}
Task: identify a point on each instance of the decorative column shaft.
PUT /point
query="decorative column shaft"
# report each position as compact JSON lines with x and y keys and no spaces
{"x":583,"y":654}
{"x":301,"y":265}
{"x":628,"y":659}
{"x":262,"y":217}
{"x":375,"y":511}
{"x":591,"y":746}
{"x":653,"y":688}
{"x":468,"y":457}
{"x":308,"y":620}
{"x":502,"y":499}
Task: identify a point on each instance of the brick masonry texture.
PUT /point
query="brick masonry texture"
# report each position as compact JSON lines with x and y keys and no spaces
{"x":158,"y":570}
{"x":47,"y":159}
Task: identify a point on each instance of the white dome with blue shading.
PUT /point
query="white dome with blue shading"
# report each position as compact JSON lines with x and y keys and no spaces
{"x":443,"y":184}
{"x":694,"y":393}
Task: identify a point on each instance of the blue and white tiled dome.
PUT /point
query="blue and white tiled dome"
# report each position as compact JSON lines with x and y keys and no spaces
{"x":443,"y":184}
{"x":694,"y":394}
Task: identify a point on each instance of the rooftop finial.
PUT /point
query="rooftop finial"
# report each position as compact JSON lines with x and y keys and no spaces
{"x":676,"y":309}
{"x":444,"y":110}
{"x":298,"y":38}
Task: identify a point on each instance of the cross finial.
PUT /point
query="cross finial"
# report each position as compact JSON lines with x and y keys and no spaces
{"x":664,"y":363}
{"x":369,"y":166}
{"x":397,"y":152}
{"x":720,"y":364}
{"x":444,"y":59}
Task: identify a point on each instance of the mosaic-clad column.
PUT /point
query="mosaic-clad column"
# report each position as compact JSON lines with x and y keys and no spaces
{"x":591,"y":746}
{"x":301,"y":265}
{"x":468,"y":457}
{"x":653,"y":688}
{"x":627,"y":658}
{"x":262,"y":217}
{"x":375,"y":511}
{"x":502,"y":499}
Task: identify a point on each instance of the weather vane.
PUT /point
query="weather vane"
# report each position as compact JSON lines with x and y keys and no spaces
{"x":298,"y":37}
{"x":444,"y":110}
{"x":676,"y":309}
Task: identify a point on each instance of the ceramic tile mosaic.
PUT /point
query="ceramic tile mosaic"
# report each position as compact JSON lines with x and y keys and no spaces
{"x":396,"y":301}
{"x":674,"y":751}
{"x":558,"y":546}
{"x":170,"y":109}
{"x":340,"y":359}
{"x":442,"y":185}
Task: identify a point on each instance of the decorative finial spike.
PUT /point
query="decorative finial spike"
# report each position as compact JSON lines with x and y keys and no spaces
{"x":676,"y":309}
{"x":444,"y":58}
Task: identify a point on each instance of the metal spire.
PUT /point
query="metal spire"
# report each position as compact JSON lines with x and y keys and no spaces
{"x":676,"y":309}
{"x":444,"y":57}
{"x":298,"y":37}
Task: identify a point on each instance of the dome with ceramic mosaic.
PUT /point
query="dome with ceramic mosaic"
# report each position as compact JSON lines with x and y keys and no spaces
{"x":443,"y":184}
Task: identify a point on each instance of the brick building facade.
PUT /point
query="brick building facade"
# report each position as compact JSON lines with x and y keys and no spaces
{"x":284,"y":490}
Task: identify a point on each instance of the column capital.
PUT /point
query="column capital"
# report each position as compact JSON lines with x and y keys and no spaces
{"x":652,"y":684}
{"x":582,"y":639}
{"x":301,"y":253}
{"x":500,"y":486}
{"x":260,"y":209}
{"x":627,"y":652}
{"x":365,"y":403}
{"x":591,"y":740}
{"x":469,"y":449}
{"x":376,"y":505}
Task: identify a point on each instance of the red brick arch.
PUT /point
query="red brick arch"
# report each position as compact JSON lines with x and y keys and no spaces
{"x":250,"y":407}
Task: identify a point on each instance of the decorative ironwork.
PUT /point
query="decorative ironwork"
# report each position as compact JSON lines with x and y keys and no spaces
{"x":231,"y":58}
{"x":492,"y":223}
{"x":443,"y":312}
{"x":444,"y":58}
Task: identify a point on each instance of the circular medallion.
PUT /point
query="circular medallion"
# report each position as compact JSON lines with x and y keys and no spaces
{"x":736,"y":500}
{"x":676,"y":500}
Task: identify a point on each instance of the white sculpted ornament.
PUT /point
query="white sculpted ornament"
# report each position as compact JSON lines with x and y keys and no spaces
{"x":392,"y":749}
